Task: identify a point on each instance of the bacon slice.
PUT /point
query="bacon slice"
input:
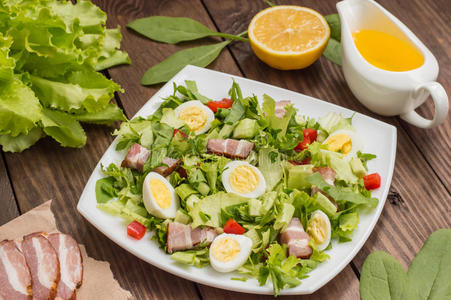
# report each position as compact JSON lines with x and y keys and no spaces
{"x":296,"y":239}
{"x":183,"y":237}
{"x":44,"y":265}
{"x":280,"y":108}
{"x":70,"y":264}
{"x":170,"y":165}
{"x":136,"y":157}
{"x":328,"y":175}
{"x":15,"y":277}
{"x":230,"y":148}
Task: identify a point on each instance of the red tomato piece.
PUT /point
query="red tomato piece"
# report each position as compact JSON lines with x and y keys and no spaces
{"x":224,"y":103}
{"x":180,"y":132}
{"x":310,"y":133}
{"x":303,"y":145}
{"x":136,"y":230}
{"x":372,"y":181}
{"x":231,"y":226}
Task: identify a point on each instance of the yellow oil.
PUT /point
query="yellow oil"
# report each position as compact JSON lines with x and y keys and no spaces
{"x":386,"y":51}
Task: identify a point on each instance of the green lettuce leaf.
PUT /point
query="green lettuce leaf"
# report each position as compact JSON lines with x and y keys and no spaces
{"x":269,"y":165}
{"x":22,"y":141}
{"x":63,"y":128}
{"x":20,"y":110}
{"x":110,"y":54}
{"x":212,"y":206}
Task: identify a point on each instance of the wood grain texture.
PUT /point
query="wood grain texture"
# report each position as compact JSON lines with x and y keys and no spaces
{"x":424,"y":202}
{"x":145,"y":53}
{"x":8,"y":204}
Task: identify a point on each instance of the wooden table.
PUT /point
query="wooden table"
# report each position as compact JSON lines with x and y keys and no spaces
{"x":419,"y":199}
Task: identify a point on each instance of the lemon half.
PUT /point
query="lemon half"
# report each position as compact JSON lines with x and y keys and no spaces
{"x":288,"y":37}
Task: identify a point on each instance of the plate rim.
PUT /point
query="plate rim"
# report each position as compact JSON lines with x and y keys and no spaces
{"x":180,"y":272}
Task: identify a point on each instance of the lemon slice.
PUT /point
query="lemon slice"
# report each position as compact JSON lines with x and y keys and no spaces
{"x":288,"y":37}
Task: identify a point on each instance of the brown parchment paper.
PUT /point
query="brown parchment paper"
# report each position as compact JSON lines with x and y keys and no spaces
{"x":98,"y":280}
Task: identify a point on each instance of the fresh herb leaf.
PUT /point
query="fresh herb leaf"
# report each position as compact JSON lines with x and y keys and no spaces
{"x":333,"y":49}
{"x":335,"y":26}
{"x":173,"y":30}
{"x":383,"y":277}
{"x":105,"y":190}
{"x":200,"y":56}
{"x":430,"y":270}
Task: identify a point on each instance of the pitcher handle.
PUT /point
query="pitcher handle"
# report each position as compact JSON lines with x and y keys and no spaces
{"x":438,"y":95}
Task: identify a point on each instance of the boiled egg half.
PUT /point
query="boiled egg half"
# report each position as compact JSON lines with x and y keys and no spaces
{"x":197,"y":116}
{"x":228,"y":252}
{"x":159,"y":196}
{"x":346,"y":142}
{"x":243,"y":179}
{"x":319,"y":229}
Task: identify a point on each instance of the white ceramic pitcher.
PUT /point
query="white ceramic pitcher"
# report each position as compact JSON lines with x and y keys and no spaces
{"x":385,"y":92}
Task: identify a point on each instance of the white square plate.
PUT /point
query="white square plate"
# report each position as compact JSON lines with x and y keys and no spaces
{"x":379,"y":138}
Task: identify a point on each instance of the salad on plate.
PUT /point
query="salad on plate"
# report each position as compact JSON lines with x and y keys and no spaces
{"x":258,"y":190}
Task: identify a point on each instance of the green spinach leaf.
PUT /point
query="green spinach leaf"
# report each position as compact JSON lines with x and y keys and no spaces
{"x":383,"y":277}
{"x":200,"y":56}
{"x":173,"y":30}
{"x":333,"y":49}
{"x":430,"y":270}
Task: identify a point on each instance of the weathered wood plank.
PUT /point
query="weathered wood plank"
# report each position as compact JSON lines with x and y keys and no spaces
{"x":9,"y":207}
{"x":145,"y":53}
{"x":424,"y":196}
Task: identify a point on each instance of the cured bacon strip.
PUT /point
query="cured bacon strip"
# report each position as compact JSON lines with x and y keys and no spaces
{"x":280,"y":108}
{"x":230,"y":148}
{"x":183,"y":237}
{"x":44,"y":265}
{"x":136,"y":157}
{"x":328,"y":175}
{"x":296,"y":239}
{"x":70,"y":264}
{"x":15,"y":277}
{"x":170,"y":165}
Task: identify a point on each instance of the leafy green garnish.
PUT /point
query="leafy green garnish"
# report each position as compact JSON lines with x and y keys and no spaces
{"x":383,"y":277}
{"x":49,"y":54}
{"x":173,"y":30}
{"x":333,"y":49}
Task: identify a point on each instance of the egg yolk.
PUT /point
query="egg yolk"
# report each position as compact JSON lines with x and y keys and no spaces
{"x":226,"y":250}
{"x":243,"y":179}
{"x":194,"y":117}
{"x":318,"y":229}
{"x":160,"y":193}
{"x":340,"y":142}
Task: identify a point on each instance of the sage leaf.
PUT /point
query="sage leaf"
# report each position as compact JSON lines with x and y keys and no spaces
{"x":383,"y":277}
{"x":170,"y":30}
{"x":335,"y":26}
{"x":430,"y":270}
{"x":200,"y":56}
{"x":333,"y":49}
